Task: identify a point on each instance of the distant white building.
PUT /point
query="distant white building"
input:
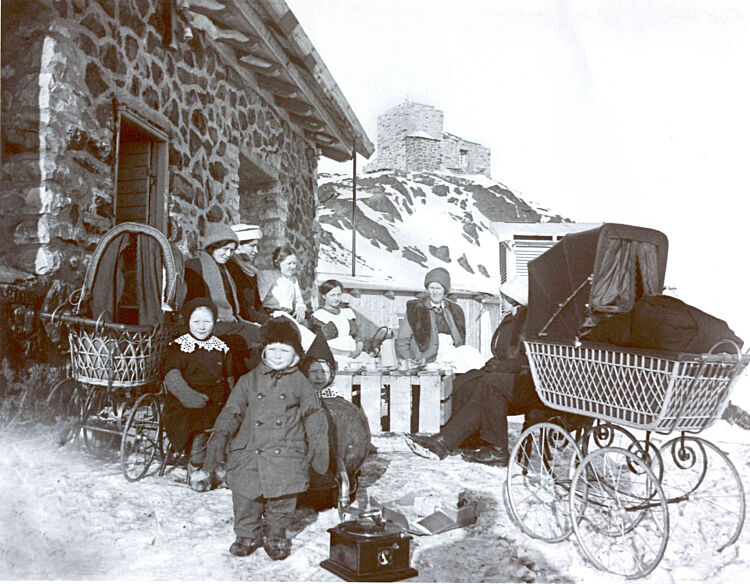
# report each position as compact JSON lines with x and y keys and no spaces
{"x":522,"y":242}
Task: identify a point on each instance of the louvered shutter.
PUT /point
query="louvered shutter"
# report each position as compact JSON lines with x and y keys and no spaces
{"x":526,"y":251}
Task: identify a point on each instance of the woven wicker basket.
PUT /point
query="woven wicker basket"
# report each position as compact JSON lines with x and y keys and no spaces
{"x":120,"y":358}
{"x":645,"y":390}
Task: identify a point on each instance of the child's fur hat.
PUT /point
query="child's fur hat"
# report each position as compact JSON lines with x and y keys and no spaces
{"x":281,"y":330}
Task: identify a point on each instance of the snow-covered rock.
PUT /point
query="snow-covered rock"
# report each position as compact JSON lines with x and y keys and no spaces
{"x":407,"y":223}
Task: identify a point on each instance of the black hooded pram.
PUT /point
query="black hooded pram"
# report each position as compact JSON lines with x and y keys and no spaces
{"x":605,"y":484}
{"x":571,"y":288}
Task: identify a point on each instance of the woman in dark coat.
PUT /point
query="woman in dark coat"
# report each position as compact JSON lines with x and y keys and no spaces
{"x":435,"y":328}
{"x":208,"y":275}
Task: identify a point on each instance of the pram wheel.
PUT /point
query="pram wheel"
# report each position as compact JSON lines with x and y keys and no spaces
{"x":619,"y":512}
{"x":99,"y":419}
{"x":64,"y":401}
{"x":707,"y":488}
{"x":539,"y":472}
{"x":141,"y":437}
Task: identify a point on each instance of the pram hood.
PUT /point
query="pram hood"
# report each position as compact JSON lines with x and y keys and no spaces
{"x":158,"y":275}
{"x":590,"y":273}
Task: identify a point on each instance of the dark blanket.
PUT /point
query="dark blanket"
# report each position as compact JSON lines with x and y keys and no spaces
{"x":665,"y":323}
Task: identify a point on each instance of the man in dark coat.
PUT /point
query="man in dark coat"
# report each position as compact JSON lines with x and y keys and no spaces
{"x":501,"y":388}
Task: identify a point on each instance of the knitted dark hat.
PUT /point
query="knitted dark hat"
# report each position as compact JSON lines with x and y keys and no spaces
{"x":281,"y":330}
{"x":318,"y":351}
{"x":439,"y":275}
{"x":189,"y":307}
{"x":217,"y":232}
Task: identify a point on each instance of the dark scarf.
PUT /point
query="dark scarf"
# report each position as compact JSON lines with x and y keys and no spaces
{"x":220,"y":286}
{"x":418,"y":317}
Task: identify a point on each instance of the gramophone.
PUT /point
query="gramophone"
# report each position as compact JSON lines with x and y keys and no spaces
{"x":367,"y":549}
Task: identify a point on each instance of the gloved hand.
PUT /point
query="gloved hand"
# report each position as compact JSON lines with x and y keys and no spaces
{"x":179,"y":388}
{"x":216,"y":451}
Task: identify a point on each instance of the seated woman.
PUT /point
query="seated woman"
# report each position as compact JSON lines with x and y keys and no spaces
{"x":280,"y":292}
{"x":197,"y":370}
{"x":503,"y":387}
{"x":338,"y":325}
{"x":279,"y":289}
{"x":208,"y":276}
{"x":245,"y":274}
{"x":434,"y":329}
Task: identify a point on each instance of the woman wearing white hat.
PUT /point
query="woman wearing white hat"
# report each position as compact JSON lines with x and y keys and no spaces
{"x":245,"y":274}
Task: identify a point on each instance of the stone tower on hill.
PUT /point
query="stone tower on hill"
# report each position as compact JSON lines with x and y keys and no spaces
{"x":411,"y":138}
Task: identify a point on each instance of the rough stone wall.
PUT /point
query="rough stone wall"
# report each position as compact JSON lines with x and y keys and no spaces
{"x":421,"y":153}
{"x":66,"y":65}
{"x":476,"y":159}
{"x":396,"y":124}
{"x":411,"y":138}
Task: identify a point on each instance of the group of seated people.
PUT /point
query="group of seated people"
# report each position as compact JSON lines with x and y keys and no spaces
{"x":265,"y":419}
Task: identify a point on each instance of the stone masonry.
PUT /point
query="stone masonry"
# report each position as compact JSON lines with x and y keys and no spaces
{"x":67,"y":65}
{"x":411,"y":138}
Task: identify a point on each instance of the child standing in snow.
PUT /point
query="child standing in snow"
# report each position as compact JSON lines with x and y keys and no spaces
{"x":197,"y":366}
{"x":278,"y":430}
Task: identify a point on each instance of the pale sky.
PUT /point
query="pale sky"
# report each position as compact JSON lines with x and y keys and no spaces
{"x":629,"y":111}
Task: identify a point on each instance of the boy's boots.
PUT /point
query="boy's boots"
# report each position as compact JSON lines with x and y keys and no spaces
{"x":244,"y":546}
{"x":198,"y":479}
{"x":277,"y":547}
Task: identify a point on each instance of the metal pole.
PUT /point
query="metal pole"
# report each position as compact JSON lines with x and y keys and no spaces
{"x":354,"y":210}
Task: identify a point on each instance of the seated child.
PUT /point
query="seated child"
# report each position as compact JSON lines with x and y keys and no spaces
{"x":319,"y":366}
{"x":197,"y":370}
{"x":278,"y":430}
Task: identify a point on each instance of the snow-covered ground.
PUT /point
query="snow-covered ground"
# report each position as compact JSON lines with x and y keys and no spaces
{"x":66,"y":515}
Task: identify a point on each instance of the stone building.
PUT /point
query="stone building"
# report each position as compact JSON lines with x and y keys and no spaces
{"x":176,"y":113}
{"x":411,"y":138}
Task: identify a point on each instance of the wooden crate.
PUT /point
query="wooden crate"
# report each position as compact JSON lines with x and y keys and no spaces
{"x":399,"y":402}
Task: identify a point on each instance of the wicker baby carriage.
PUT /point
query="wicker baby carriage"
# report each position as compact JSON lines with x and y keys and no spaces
{"x":612,"y":483}
{"x":118,"y":329}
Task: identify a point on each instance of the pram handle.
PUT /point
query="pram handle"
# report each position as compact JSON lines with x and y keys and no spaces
{"x":66,"y":316}
{"x":138,"y":228}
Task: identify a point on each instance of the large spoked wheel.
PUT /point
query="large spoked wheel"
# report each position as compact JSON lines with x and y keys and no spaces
{"x":539,"y":472}
{"x":99,"y":421}
{"x":608,"y":435}
{"x":619,"y":511}
{"x":64,"y":400}
{"x":141,"y":437}
{"x":708,"y":491}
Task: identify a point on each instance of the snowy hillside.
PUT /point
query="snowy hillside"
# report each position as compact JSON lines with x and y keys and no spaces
{"x":408,"y":223}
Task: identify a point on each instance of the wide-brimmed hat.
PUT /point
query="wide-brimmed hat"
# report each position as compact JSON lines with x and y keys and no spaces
{"x":517,"y":289}
{"x":218,"y":232}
